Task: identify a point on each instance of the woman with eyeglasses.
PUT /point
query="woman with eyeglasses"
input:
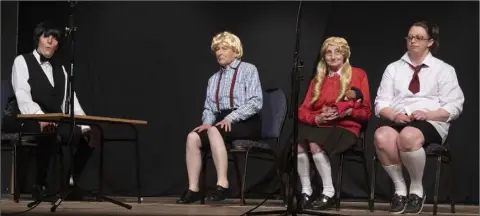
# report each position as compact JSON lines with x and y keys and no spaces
{"x":335,"y":107}
{"x":418,"y":97}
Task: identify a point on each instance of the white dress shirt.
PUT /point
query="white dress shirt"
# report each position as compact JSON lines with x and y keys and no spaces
{"x":439,"y":88}
{"x":22,"y":92}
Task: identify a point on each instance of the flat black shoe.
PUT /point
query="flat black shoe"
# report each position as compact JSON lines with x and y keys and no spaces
{"x":304,"y":201}
{"x":75,"y":193}
{"x":39,"y":192}
{"x":219,"y":194}
{"x":398,"y":204}
{"x":415,"y":204}
{"x":189,"y":197}
{"x":323,"y":202}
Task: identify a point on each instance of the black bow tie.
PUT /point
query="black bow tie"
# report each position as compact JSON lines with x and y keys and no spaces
{"x":44,"y":59}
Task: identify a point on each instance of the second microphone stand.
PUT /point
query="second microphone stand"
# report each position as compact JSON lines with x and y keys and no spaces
{"x":296,"y":77}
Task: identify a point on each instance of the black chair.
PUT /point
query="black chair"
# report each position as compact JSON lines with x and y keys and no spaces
{"x":11,"y":140}
{"x":273,"y":117}
{"x":433,"y":150}
{"x":357,"y":154}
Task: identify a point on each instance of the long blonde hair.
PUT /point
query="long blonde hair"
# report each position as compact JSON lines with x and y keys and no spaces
{"x":345,"y":74}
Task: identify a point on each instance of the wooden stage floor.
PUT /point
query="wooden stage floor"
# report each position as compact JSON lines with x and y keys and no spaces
{"x":167,"y":206}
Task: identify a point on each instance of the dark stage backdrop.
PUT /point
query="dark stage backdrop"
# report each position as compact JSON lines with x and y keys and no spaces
{"x":152,"y":60}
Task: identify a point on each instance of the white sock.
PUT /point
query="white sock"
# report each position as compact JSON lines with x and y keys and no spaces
{"x":322,"y":162}
{"x":395,"y":173}
{"x":303,"y":167}
{"x":415,"y":163}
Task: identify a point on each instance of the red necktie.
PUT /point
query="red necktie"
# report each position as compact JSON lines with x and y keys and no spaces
{"x":414,"y":86}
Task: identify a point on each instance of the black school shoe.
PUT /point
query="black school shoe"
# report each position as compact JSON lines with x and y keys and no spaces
{"x":415,"y":204}
{"x":323,"y":202}
{"x":189,"y":197}
{"x":304,"y":201}
{"x":219,"y":194}
{"x":398,"y":204}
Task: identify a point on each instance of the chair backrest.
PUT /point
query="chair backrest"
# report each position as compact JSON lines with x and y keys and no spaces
{"x":7,"y":92}
{"x":273,"y":113}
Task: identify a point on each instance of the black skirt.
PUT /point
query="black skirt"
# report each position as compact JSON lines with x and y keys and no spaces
{"x":249,"y":129}
{"x":333,"y":140}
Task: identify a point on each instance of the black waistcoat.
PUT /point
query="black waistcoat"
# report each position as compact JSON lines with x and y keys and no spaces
{"x":49,"y":98}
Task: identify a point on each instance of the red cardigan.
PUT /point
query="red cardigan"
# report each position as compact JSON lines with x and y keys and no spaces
{"x":361,"y":111}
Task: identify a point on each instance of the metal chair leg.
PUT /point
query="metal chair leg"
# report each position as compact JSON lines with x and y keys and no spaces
{"x":437,"y":184}
{"x":371,"y":201}
{"x":204,"y":177}
{"x":339,"y":182}
{"x":239,"y":181}
{"x":452,"y":197}
{"x":244,"y":179}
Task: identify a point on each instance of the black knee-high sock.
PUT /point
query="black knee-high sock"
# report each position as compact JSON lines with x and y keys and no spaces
{"x":82,"y":155}
{"x":44,"y":150}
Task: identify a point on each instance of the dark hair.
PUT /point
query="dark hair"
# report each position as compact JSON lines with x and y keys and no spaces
{"x":46,"y":29}
{"x":433,"y":32}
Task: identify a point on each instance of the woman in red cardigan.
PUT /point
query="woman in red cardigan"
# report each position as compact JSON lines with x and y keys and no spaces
{"x":331,"y":116}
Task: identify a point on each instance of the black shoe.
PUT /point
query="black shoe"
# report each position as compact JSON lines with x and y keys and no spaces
{"x":39,"y":191}
{"x":304,"y":201}
{"x":75,"y":193}
{"x":398,"y":204}
{"x":219,"y":194}
{"x":323,"y":202}
{"x":415,"y":204}
{"x":189,"y":197}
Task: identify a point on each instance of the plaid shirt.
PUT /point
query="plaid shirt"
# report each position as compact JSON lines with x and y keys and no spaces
{"x":247,"y":93}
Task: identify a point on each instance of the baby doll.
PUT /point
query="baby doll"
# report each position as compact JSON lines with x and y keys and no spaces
{"x":353,"y":98}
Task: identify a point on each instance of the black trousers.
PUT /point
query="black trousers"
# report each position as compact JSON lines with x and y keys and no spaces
{"x":47,"y":145}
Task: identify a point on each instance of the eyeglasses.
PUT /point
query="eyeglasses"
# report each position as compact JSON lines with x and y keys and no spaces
{"x":417,"y":38}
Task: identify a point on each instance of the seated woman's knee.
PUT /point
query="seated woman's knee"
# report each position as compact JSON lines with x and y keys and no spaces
{"x":410,"y":139}
{"x":385,"y":137}
{"x":315,"y":148}
{"x":300,"y":148}
{"x":193,"y":140}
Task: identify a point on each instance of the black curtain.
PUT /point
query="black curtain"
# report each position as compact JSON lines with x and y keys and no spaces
{"x":151,"y":61}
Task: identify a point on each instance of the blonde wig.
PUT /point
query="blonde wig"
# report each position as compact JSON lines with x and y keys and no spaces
{"x":322,"y":69}
{"x":230,"y":40}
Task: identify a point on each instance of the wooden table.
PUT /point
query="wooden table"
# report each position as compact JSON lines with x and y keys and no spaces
{"x":95,"y":121}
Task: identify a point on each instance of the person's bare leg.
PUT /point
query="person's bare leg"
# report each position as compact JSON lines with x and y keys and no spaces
{"x":194,"y":160}
{"x":219,"y":155}
{"x":385,"y":139}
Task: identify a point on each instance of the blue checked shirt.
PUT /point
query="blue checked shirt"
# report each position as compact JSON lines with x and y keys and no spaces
{"x":247,"y":94}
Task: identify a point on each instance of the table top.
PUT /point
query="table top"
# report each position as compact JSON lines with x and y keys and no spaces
{"x":80,"y":119}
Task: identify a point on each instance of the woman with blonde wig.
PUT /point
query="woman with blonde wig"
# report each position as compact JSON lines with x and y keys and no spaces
{"x":336,"y":105}
{"x":231,"y":111}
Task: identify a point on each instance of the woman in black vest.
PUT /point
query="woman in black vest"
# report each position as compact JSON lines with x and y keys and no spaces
{"x":39,"y":82}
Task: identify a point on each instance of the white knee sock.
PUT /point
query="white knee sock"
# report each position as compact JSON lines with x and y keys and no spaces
{"x":303,"y":166}
{"x":395,"y":173}
{"x":415,"y":163}
{"x":322,"y":162}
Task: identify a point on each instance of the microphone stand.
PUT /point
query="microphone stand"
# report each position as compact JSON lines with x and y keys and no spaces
{"x":70,"y":109}
{"x":296,"y":77}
